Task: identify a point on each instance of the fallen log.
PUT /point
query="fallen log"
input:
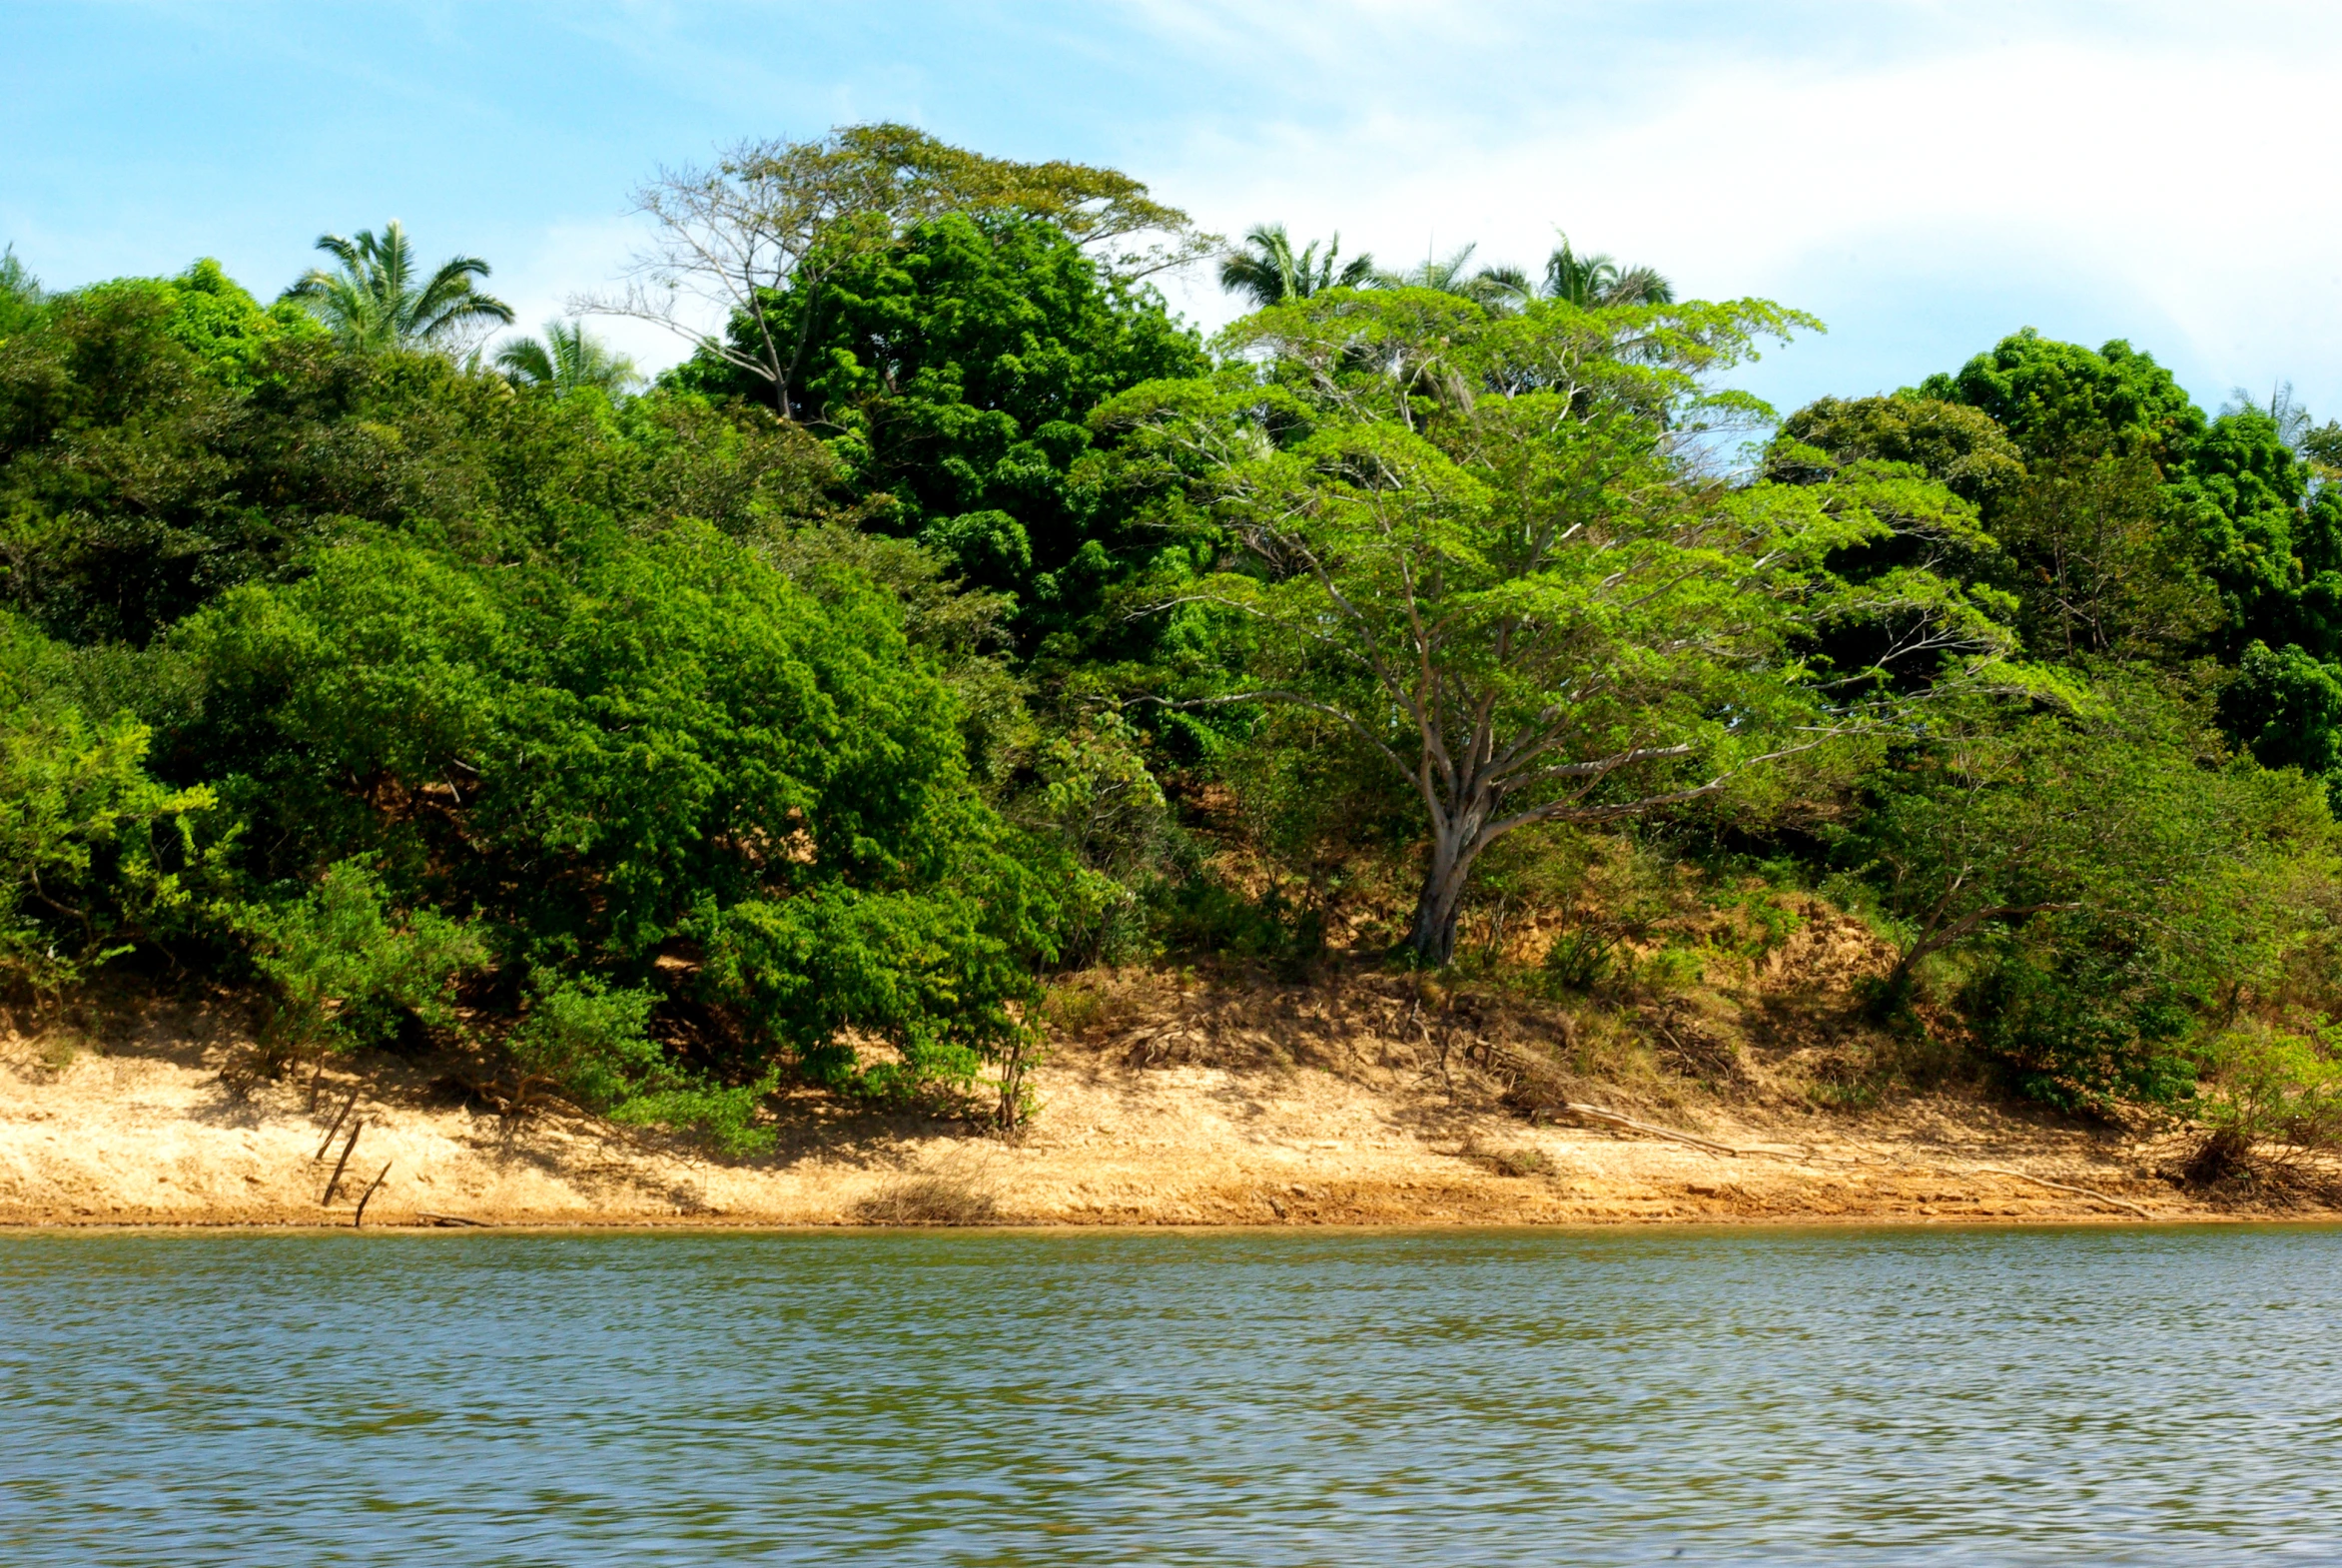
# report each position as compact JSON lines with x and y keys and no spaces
{"x":449,"y":1219}
{"x":1613,"y":1119}
{"x":2139,"y":1209}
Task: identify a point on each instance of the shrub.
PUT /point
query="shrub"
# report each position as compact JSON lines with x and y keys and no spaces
{"x":94,"y":854}
{"x":2083,"y":1015}
{"x":348,"y":968}
{"x":584,"y":1040}
{"x":2274,"y":1103}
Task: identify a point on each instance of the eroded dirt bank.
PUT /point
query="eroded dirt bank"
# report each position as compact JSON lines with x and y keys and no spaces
{"x":1188,"y":1107}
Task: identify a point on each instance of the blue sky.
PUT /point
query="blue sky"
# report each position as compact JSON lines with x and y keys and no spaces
{"x":1925,"y":176}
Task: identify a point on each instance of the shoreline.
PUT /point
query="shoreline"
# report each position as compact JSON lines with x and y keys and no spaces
{"x":2326,"y":1219}
{"x":1236,"y":1112}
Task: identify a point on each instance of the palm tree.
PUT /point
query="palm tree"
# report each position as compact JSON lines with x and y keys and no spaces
{"x":1493,"y":287}
{"x":374,"y":303}
{"x":1268,"y":271}
{"x":1589,"y":281}
{"x":565,"y":359}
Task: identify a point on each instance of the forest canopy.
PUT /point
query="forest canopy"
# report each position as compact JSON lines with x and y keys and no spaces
{"x":956,"y":614}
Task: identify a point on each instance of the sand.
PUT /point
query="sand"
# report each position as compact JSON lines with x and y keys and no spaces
{"x":1194,"y":1106}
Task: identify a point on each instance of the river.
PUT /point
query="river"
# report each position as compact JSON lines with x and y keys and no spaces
{"x":2088,"y":1396}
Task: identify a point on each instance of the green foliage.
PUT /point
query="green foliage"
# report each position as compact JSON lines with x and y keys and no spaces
{"x":2274,"y":1105}
{"x":935,"y":980}
{"x":2118,"y":875}
{"x":953,"y":374}
{"x":1207,"y":915}
{"x":377,"y":299}
{"x":2287,"y":707}
{"x":1473,"y":542}
{"x":95,"y":855}
{"x":767,"y":228}
{"x":138,"y":479}
{"x":2059,"y":399}
{"x":1103,"y":808}
{"x":565,"y":359}
{"x":776,"y":722}
{"x":586,"y":1039}
{"x":2088,"y":1014}
{"x":349,"y":967}
{"x":20,"y":294}
{"x":726,"y":1114}
{"x":1960,"y":447}
{"x":1268,"y":272}
{"x":2146,"y":533}
{"x":668,"y":741}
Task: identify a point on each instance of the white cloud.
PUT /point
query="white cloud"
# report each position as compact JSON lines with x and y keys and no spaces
{"x":2142,"y":169}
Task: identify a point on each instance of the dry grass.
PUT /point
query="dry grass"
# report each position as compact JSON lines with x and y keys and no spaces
{"x":932,"y":1197}
{"x":1521,"y":1161}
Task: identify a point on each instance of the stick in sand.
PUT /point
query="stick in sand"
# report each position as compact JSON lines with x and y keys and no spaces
{"x":346,"y":1149}
{"x":358,"y":1218}
{"x":335,"y":1128}
{"x":1597,"y":1114}
{"x":2139,"y":1209}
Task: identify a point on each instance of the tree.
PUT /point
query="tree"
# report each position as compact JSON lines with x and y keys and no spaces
{"x":953,"y":376}
{"x":778,"y":219}
{"x":1470,"y":541}
{"x":20,"y":293}
{"x":2098,"y":567}
{"x":1960,"y":447}
{"x":565,"y":359}
{"x":1268,"y":273}
{"x":648,"y":745}
{"x":2059,"y":398}
{"x":2117,"y":866}
{"x":377,"y":299}
{"x":1588,"y":281}
{"x":1452,"y":275}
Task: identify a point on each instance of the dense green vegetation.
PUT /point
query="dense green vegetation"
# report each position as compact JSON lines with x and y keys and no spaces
{"x":955,"y":615}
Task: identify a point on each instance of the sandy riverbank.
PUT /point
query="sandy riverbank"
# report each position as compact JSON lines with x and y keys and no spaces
{"x":1199,"y":1107}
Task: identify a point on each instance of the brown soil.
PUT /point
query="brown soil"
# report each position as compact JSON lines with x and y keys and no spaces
{"x":1358,"y":1102}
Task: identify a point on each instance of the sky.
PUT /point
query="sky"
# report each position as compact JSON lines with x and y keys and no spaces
{"x":1926,"y":178}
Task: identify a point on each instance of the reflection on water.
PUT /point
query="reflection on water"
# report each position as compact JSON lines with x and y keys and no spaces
{"x":2078,"y":1396}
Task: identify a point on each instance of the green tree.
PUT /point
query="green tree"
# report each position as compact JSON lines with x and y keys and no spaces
{"x":1960,"y":447}
{"x":565,"y":359}
{"x":651,"y":745}
{"x":350,"y":969}
{"x":1591,"y":281}
{"x":96,"y":855}
{"x":378,"y":297}
{"x":1474,"y":545}
{"x":2061,"y":398}
{"x":1267,"y":271}
{"x":952,"y":377}
{"x":2120,"y":878}
{"x":20,"y":293}
{"x":1452,"y":274}
{"x":774,"y":220}
{"x":164,"y":439}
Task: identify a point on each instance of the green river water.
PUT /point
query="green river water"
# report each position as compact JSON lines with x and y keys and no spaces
{"x":2091,"y":1395}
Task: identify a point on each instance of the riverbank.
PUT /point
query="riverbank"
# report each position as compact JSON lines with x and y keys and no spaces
{"x":1168,"y":1104}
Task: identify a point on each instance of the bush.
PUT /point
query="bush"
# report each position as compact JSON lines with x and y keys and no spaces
{"x":348,"y":968}
{"x":2082,"y":1016}
{"x":724,"y":1113}
{"x":585,"y":1041}
{"x":94,"y":854}
{"x":2274,"y":1104}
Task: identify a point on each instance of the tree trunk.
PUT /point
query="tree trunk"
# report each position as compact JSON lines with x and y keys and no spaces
{"x":1432,"y":937}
